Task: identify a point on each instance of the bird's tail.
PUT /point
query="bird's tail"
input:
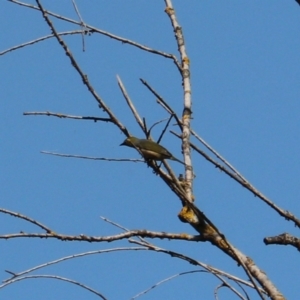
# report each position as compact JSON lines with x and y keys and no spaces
{"x":176,"y":159}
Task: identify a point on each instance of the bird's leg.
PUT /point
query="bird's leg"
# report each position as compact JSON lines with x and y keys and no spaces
{"x":155,"y":171}
{"x":147,"y":161}
{"x":158,"y":166}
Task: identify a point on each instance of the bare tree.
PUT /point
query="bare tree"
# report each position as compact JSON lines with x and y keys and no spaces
{"x":181,"y":185}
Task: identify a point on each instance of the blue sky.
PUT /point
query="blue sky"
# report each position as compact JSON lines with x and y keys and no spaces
{"x":245,"y":89}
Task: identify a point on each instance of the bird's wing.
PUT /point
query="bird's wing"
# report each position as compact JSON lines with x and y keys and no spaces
{"x":151,"y":146}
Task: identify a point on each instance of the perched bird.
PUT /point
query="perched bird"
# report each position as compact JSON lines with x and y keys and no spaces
{"x":149,"y":149}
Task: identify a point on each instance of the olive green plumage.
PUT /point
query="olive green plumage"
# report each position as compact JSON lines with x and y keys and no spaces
{"x":149,"y":149}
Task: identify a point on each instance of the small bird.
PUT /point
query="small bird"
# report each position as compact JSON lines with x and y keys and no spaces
{"x":149,"y":149}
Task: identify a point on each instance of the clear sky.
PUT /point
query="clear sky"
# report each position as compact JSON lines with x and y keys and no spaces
{"x":245,"y":72}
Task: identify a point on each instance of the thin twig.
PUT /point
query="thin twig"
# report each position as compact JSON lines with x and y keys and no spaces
{"x":241,"y":287}
{"x":42,"y":39}
{"x":114,"y":223}
{"x":217,"y":155}
{"x":93,"y":158}
{"x":59,"y":115}
{"x":78,"y":14}
{"x":146,"y":128}
{"x":82,"y":24}
{"x":163,"y":281}
{"x":78,"y":255}
{"x":18,"y":215}
{"x":161,"y":101}
{"x":181,"y":274}
{"x":54,"y":277}
{"x":231,"y":287}
{"x":130,"y":104}
{"x":156,"y":123}
{"x":164,"y":130}
{"x":121,"y":227}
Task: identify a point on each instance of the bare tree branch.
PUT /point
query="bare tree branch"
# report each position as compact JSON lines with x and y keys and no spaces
{"x":80,"y":72}
{"x":54,"y":277}
{"x":42,"y":39}
{"x":130,"y":104}
{"x":82,"y":23}
{"x":110,"y":35}
{"x":20,"y":216}
{"x":62,"y":116}
{"x":283,"y":239}
{"x":186,"y":273}
{"x":93,"y":158}
{"x":187,"y":111}
{"x":73,"y":256}
{"x":216,"y":272}
{"x":116,"y":237}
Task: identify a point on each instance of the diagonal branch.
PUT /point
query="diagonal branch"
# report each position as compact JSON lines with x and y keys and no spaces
{"x":80,"y":72}
{"x":105,"y":33}
{"x":162,"y":102}
{"x":18,"y":215}
{"x":130,"y":104}
{"x":284,"y":213}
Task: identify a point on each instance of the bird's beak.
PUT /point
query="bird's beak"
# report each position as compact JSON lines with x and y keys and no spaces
{"x":126,"y":143}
